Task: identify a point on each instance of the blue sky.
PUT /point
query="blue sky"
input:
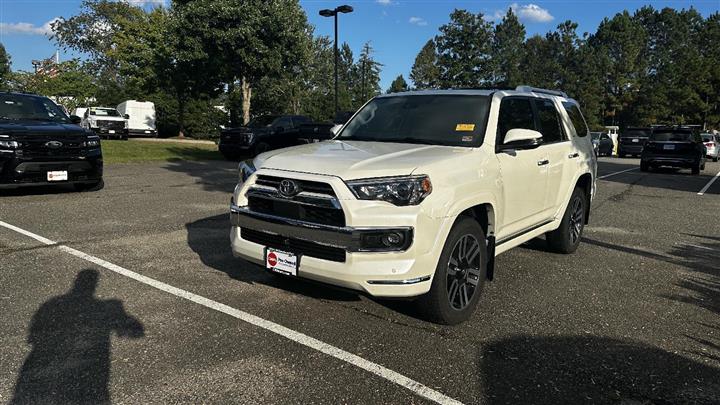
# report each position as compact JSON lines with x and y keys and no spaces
{"x":397,"y":29}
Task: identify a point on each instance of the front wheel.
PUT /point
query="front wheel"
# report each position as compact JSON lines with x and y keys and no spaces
{"x":566,"y":238}
{"x":644,"y":166}
{"x":97,"y":186}
{"x":459,"y":276}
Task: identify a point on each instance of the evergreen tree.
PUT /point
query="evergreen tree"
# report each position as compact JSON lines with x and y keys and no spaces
{"x":507,"y":51}
{"x":5,"y":72}
{"x":425,"y":72}
{"x":464,"y":50}
{"x":398,"y":85}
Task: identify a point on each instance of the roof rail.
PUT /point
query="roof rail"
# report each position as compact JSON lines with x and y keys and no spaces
{"x":531,"y":89}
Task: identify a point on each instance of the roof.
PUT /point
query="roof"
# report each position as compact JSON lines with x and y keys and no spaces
{"x":524,"y":90}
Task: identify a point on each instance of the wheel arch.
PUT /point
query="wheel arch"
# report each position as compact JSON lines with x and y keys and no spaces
{"x":584,"y":183}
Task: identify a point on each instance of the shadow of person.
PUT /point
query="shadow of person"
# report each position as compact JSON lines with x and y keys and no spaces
{"x":70,"y":338}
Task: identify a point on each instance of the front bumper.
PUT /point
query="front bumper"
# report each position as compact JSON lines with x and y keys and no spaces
{"x":225,"y":147}
{"x":402,"y":273}
{"x":18,"y":172}
{"x":107,"y":132}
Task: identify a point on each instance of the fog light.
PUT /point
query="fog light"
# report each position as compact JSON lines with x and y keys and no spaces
{"x":392,"y":239}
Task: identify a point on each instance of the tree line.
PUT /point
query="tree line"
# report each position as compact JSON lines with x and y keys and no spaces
{"x":650,"y":67}
{"x":252,"y":57}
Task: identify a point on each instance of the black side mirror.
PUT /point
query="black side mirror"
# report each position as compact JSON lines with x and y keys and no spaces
{"x":127,"y":116}
{"x":75,"y":119}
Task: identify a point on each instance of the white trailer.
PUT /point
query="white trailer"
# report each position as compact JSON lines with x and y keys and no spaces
{"x":142,"y":117}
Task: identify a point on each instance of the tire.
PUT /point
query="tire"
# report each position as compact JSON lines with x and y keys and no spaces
{"x":644,"y":166}
{"x":695,"y":169}
{"x":260,"y":148}
{"x":566,"y":238}
{"x":715,"y":159}
{"x":438,"y":304}
{"x":97,"y":186}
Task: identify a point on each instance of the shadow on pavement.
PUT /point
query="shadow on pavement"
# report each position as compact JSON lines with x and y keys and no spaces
{"x":70,"y":338}
{"x":590,"y":369}
{"x":213,"y":175}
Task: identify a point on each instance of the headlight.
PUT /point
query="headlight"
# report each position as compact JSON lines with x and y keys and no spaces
{"x":249,"y":138}
{"x":246,"y":169}
{"x":9,"y":144}
{"x":91,"y":143}
{"x":126,"y":125}
{"x":409,"y":190}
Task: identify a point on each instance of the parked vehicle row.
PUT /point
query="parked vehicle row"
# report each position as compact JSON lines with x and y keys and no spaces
{"x":132,"y":117}
{"x":419,"y":192}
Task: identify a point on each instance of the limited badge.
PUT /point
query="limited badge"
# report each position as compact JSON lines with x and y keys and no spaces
{"x":467,"y":138}
{"x":465,"y":127}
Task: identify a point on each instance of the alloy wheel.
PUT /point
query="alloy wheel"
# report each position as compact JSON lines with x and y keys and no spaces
{"x":463,"y":272}
{"x":577,"y":217}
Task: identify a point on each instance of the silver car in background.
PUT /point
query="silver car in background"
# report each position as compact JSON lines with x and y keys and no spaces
{"x":712,"y":144}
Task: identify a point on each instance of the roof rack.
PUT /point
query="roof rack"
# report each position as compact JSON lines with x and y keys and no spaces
{"x":530,"y":89}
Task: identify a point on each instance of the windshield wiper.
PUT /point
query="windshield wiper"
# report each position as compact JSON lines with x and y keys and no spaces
{"x":409,"y":139}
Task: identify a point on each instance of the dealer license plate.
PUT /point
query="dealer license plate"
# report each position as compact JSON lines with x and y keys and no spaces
{"x":57,"y":176}
{"x":281,"y":262}
{"x":111,"y":131}
{"x":669,"y":147}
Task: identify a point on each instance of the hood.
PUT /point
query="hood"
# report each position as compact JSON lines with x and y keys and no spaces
{"x":357,"y":159}
{"x":39,"y":128}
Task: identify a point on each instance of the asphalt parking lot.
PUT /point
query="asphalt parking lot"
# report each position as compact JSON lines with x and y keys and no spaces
{"x":632,"y":317}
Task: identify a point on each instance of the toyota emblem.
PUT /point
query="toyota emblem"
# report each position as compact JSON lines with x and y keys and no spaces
{"x":54,"y":144}
{"x":288,"y":188}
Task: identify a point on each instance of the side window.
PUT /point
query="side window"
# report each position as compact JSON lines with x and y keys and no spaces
{"x":515,"y":112}
{"x":604,"y":137}
{"x":284,"y":122}
{"x":86,"y":113}
{"x":549,"y":121}
{"x":577,"y":119}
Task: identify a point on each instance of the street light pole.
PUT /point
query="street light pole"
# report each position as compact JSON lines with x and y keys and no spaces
{"x":334,"y":13}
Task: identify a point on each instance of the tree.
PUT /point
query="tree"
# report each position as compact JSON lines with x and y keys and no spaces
{"x":507,"y":51}
{"x":368,"y":83}
{"x":425,"y":72}
{"x":464,"y":50}
{"x":72,"y":83}
{"x":249,"y":39}
{"x":398,"y":85}
{"x":5,"y":72}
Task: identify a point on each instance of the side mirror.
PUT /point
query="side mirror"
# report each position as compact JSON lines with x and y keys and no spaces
{"x":75,"y":119}
{"x":519,"y":138}
{"x":335,"y":129}
{"x":127,"y":116}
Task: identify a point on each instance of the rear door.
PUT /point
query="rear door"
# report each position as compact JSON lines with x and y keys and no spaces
{"x":559,"y":152}
{"x":523,"y":171}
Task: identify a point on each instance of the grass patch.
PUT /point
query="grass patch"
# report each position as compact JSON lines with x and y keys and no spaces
{"x":131,"y":151}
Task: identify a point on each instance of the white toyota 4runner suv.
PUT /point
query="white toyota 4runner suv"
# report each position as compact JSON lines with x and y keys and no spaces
{"x":419,"y":192}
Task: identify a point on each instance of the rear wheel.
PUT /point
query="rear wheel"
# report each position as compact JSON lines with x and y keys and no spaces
{"x":459,"y":276}
{"x":695,"y":169}
{"x":621,"y":155}
{"x":644,"y":166}
{"x":566,"y":238}
{"x":715,"y":159}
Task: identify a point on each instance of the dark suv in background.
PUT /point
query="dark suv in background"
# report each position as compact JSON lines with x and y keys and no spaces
{"x":262,"y":134}
{"x":680,"y":147}
{"x":632,"y":140}
{"x":41,"y":145}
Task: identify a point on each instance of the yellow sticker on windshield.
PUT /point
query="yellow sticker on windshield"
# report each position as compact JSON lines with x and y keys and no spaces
{"x":465,"y":127}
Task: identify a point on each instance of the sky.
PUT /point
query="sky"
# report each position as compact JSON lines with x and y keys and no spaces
{"x":396,"y":29}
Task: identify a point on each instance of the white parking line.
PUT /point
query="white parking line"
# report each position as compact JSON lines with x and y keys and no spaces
{"x":295,"y":336}
{"x":614,"y":173}
{"x":709,"y":183}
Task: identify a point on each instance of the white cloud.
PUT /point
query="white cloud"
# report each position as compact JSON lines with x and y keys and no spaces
{"x":27,"y":28}
{"x":384,"y":2}
{"x":418,"y":21}
{"x":527,"y":13}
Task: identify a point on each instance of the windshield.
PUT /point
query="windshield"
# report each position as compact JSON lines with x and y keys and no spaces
{"x":18,"y":107}
{"x":264,"y":121}
{"x":672,"y":136}
{"x":452,"y":120}
{"x":104,"y":112}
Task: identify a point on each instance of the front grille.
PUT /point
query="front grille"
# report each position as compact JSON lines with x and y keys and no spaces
{"x":304,"y":185}
{"x":297,"y":246}
{"x":39,"y":148}
{"x":293,"y":210}
{"x":111,"y":124}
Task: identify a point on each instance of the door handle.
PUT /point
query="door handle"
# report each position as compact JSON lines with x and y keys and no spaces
{"x":543,"y":162}
{"x":573,"y":155}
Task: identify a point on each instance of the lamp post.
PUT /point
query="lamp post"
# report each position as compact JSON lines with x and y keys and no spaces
{"x":334,"y":13}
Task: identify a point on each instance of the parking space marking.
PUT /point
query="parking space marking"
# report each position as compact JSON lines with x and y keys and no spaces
{"x":709,"y":183}
{"x":614,"y":173}
{"x":278,"y":329}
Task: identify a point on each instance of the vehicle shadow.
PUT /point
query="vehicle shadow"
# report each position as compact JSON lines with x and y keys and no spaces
{"x":37,"y":190}
{"x":591,"y":369}
{"x":663,"y":177}
{"x":70,"y":337}
{"x":213,"y":175}
{"x":209,"y":238}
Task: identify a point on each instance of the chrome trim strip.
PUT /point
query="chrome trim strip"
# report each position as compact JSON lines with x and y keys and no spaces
{"x":400,"y":282}
{"x":521,"y":233}
{"x":303,"y":198}
{"x":347,"y":238}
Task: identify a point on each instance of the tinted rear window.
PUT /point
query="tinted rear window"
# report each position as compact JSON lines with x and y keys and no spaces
{"x":672,"y":136}
{"x":635,"y":133}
